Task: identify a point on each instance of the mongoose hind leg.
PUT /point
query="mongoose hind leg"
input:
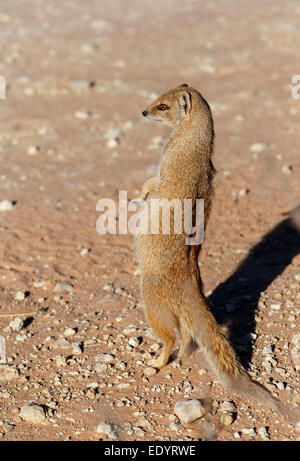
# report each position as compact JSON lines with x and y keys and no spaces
{"x":163,"y":328}
{"x":186,"y":338}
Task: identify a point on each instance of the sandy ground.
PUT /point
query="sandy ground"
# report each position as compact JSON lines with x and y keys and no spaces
{"x":78,"y":76}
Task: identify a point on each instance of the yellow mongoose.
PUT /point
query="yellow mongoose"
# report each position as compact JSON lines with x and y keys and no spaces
{"x":171,"y":285}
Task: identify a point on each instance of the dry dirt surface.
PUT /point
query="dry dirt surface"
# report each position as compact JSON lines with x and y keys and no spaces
{"x":78,"y":76}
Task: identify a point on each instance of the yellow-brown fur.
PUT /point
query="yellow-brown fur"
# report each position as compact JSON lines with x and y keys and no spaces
{"x":171,"y":285}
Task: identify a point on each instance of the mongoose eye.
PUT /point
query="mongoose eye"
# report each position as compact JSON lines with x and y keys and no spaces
{"x":162,"y":107}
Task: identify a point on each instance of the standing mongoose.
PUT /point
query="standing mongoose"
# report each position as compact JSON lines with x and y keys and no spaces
{"x":171,"y":285}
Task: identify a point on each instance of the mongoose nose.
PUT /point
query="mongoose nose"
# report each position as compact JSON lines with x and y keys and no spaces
{"x":145,"y":113}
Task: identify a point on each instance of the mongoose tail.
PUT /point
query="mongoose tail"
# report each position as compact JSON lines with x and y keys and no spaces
{"x":223,"y":361}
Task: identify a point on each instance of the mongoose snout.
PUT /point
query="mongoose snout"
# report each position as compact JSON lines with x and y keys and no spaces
{"x":145,"y":113}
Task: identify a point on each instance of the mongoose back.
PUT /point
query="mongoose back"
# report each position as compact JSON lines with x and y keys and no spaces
{"x":171,"y":285}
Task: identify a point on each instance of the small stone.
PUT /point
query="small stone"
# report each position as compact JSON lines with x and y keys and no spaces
{"x":276,"y":306}
{"x":280,"y":386}
{"x":228,"y":406}
{"x":243,"y":192}
{"x":263,"y":432}
{"x":107,"y":429}
{"x":69,"y":332}
{"x":133,"y":342}
{"x":113,"y":137}
{"x":267,"y":350}
{"x":123,"y":385}
{"x":174,"y":426}
{"x":76,"y":349}
{"x":297,"y":426}
{"x":16,"y":324}
{"x":139,"y":431}
{"x":83,"y":115}
{"x":226,"y":419}
{"x":149,"y":371}
{"x":63,"y":287}
{"x":189,"y":410}
{"x":6,"y":205}
{"x":144,"y":422}
{"x":61,"y":343}
{"x":249,"y":431}
{"x":87,"y":48}
{"x":202,"y":371}
{"x":287,"y":169}
{"x":32,"y":414}
{"x":39,"y":283}
{"x":111,"y":143}
{"x":80,"y":86}
{"x":20,"y":296}
{"x":107,"y":287}
{"x":33,"y":150}
{"x":21,"y":338}
{"x":100,"y":367}
{"x":8,"y":372}
{"x":90,"y":394}
{"x":60,"y":361}
{"x":105,"y":358}
{"x":258,"y":147}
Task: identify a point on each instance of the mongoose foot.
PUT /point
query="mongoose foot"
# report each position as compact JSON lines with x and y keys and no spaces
{"x":157,"y":363}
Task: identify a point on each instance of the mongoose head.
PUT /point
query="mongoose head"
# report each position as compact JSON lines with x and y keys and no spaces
{"x":178,"y":105}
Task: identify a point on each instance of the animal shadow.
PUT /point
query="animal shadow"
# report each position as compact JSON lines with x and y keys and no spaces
{"x":241,"y":291}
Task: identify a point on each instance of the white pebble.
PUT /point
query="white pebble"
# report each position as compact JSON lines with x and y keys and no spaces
{"x":7,"y":372}
{"x":133,"y":342}
{"x":16,"y":324}
{"x":69,"y":332}
{"x":189,"y":410}
{"x":287,"y":169}
{"x":20,"y":296}
{"x":100,"y":367}
{"x":107,"y":429}
{"x":6,"y":205}
{"x":249,"y":431}
{"x":276,"y":306}
{"x":33,"y":150}
{"x":263,"y":433}
{"x":32,"y":414}
{"x":105,"y":358}
{"x":258,"y":147}
{"x":83,"y":115}
{"x":63,"y":287}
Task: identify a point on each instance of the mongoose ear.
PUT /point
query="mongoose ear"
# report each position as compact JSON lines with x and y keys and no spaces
{"x":184,"y":85}
{"x":185,"y":101}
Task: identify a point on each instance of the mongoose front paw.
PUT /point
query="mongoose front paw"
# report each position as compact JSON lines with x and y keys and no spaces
{"x":149,"y":186}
